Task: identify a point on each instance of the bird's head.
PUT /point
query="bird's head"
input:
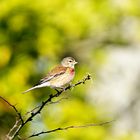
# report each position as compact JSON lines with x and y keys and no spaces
{"x":68,"y":62}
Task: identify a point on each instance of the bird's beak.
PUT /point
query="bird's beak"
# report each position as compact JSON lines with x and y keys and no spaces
{"x":75,"y":62}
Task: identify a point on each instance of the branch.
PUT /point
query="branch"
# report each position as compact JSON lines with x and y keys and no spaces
{"x":49,"y":100}
{"x":88,"y":77}
{"x":16,"y":126}
{"x":68,"y":127}
{"x":19,"y":119}
{"x":18,"y":114}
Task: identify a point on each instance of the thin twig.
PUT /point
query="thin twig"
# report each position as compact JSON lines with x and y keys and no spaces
{"x":52,"y":102}
{"x":12,"y":129}
{"x":68,"y":127}
{"x":18,"y":120}
{"x":17,"y":112}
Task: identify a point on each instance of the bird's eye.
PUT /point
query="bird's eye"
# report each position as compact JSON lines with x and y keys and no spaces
{"x":70,"y":60}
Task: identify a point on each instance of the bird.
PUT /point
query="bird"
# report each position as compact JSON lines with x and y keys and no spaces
{"x":59,"y":76}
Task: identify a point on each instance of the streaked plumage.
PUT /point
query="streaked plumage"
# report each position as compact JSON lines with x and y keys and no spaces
{"x":59,"y":76}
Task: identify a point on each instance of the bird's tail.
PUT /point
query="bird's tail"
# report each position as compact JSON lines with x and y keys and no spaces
{"x":37,"y":86}
{"x":31,"y":89}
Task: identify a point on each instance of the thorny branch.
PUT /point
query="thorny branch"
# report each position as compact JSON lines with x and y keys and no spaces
{"x":49,"y":100}
{"x":20,"y":123}
{"x":68,"y":127}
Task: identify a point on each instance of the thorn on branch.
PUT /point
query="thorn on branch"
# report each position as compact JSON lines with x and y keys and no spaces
{"x":43,"y":102}
{"x":52,"y":95}
{"x":30,"y":119}
{"x":32,"y":113}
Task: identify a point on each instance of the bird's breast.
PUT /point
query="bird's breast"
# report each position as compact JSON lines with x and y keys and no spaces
{"x":72,"y":71}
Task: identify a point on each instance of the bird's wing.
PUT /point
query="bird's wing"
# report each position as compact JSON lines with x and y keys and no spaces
{"x":59,"y":70}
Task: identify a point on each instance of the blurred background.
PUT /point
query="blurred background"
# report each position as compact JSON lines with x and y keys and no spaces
{"x":102,"y":35}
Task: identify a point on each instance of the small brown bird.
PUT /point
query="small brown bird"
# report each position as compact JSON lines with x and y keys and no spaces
{"x":58,"y":77}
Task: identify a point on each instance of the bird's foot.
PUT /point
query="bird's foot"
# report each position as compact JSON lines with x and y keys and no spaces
{"x":63,"y":88}
{"x":70,"y":86}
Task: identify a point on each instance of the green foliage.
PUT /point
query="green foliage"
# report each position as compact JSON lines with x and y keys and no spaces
{"x":35,"y":35}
